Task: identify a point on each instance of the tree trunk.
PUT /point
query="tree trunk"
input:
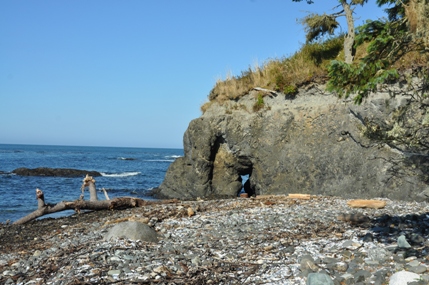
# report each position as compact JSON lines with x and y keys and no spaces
{"x":417,"y":13}
{"x":349,"y":39}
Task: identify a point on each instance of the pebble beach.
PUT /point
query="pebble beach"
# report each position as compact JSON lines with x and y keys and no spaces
{"x":262,"y":240}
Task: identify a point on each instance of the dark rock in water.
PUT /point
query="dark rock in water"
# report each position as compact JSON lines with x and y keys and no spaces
{"x":313,"y":144}
{"x":59,"y":172}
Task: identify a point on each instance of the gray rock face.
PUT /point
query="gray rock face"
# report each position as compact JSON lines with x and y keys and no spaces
{"x":315,"y":144}
{"x":133,"y":231}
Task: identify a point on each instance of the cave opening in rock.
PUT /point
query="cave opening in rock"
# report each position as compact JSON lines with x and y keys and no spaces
{"x":244,"y":179}
{"x":245,"y":175}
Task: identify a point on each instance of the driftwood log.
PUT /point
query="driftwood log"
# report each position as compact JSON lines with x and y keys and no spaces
{"x":93,"y":204}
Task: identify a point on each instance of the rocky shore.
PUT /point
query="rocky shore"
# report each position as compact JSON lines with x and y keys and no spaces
{"x":263,"y":240}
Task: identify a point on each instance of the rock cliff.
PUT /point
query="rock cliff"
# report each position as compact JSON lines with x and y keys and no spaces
{"x":313,"y":143}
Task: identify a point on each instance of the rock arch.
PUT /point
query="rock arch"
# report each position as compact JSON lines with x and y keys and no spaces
{"x":227,"y":170}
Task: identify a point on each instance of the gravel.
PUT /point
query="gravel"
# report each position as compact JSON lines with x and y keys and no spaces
{"x":264,"y":240}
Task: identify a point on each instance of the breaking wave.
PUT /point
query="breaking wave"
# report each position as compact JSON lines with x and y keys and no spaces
{"x":173,"y":156}
{"x":123,"y":174}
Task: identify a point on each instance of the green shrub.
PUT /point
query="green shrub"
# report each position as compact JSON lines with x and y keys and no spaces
{"x":290,"y":90}
{"x":259,"y":104}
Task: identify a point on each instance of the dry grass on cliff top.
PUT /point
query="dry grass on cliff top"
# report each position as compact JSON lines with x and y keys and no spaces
{"x":287,"y":74}
{"x":283,"y":75}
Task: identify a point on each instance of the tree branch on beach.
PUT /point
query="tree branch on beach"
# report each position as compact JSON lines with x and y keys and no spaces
{"x":93,"y":204}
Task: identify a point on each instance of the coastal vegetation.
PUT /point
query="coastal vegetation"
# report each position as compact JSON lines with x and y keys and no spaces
{"x":383,"y":51}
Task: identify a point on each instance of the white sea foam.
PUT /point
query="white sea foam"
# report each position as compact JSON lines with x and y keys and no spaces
{"x":174,"y":156}
{"x":126,"y":158}
{"x":123,"y":174}
{"x":160,"y":160}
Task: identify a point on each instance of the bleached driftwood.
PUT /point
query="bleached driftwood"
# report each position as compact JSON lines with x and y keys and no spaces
{"x":93,"y":204}
{"x":105,"y":194}
{"x":373,"y":204}
{"x":268,"y":92}
{"x":89,"y":182}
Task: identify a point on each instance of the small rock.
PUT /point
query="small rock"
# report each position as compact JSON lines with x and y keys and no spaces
{"x":114,"y":272}
{"x":196,"y":261}
{"x":418,"y":269}
{"x":372,"y":262}
{"x":377,"y":254}
{"x":191,"y":212}
{"x":417,"y":239}
{"x":362,"y":275}
{"x":413,"y":263}
{"x":402,"y":242}
{"x":160,"y":269}
{"x":330,"y":260}
{"x":380,"y":277}
{"x":319,"y":279}
{"x":347,"y":276}
{"x":347,"y":243}
{"x":341,"y":266}
{"x":307,"y":262}
{"x":368,"y":238}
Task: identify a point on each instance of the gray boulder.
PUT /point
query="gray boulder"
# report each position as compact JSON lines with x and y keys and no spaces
{"x":133,"y":231}
{"x":403,"y":277}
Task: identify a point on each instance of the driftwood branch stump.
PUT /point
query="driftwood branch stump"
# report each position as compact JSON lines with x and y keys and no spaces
{"x":93,"y":204}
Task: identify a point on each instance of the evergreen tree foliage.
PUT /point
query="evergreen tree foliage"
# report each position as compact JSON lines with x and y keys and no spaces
{"x":388,"y":42}
{"x":318,"y":25}
{"x":396,"y":11}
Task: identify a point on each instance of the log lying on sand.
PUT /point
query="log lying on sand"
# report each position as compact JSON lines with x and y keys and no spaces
{"x":93,"y":204}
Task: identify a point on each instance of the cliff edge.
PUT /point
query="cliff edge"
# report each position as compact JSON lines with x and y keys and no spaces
{"x":313,"y":143}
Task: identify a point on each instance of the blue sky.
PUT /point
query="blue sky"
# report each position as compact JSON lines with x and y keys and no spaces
{"x":132,"y":73}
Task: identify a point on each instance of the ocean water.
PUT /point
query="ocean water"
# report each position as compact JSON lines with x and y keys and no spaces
{"x":125,"y":172}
